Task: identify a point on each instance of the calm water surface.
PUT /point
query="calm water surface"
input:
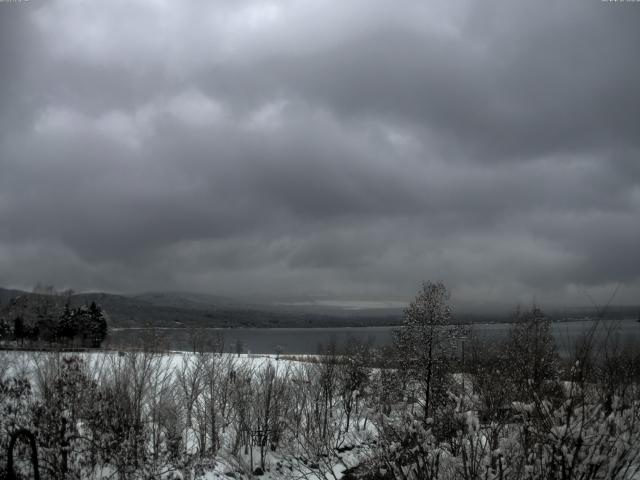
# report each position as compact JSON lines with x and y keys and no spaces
{"x":307,"y":340}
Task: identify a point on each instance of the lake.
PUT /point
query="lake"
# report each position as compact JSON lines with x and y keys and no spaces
{"x":307,"y":340}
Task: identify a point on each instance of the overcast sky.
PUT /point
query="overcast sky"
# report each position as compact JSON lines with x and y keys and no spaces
{"x":347,"y":149}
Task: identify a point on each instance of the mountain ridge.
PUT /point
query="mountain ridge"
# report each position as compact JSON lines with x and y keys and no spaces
{"x":197,"y":310}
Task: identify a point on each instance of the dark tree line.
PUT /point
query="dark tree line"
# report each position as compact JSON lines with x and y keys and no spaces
{"x":83,"y":326}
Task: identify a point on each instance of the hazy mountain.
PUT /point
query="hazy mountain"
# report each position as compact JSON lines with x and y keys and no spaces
{"x":183,"y":309}
{"x":171,"y":309}
{"x":197,"y":301}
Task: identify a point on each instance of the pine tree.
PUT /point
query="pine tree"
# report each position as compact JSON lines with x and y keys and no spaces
{"x":5,"y":330}
{"x":19,"y":328}
{"x":68,"y":325}
{"x":98,"y":325}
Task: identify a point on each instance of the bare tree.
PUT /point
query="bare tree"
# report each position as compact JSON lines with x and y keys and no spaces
{"x":532,"y":357}
{"x":426,"y":342}
{"x":353,"y":370}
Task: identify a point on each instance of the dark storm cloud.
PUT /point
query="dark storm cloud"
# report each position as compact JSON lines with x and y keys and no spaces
{"x":351,"y":150}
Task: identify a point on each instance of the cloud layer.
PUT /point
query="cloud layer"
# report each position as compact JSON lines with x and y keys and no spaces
{"x":347,"y":149}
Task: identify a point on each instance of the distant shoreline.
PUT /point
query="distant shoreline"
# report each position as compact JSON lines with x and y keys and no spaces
{"x":333,"y":327}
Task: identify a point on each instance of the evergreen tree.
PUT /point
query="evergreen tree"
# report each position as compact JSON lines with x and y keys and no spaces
{"x":5,"y":330}
{"x":19,"y":329}
{"x":32,"y":332}
{"x":68,"y":326}
{"x":98,"y":325}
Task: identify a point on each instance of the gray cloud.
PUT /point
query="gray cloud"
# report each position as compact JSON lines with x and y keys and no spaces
{"x":285,"y":148}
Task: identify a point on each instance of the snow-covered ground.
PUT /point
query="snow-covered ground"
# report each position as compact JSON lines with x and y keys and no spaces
{"x":290,"y":460}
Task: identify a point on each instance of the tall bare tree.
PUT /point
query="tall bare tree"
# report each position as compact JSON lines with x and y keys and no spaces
{"x":426,"y":344}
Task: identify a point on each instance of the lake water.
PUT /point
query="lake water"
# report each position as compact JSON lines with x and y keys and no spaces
{"x":307,"y":340}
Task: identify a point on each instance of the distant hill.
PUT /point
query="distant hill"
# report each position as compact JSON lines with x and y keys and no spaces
{"x":195,"y":301}
{"x":193,"y":310}
{"x":165,"y":310}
